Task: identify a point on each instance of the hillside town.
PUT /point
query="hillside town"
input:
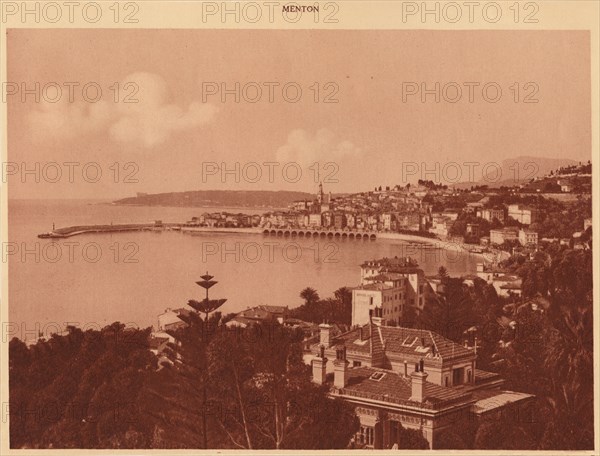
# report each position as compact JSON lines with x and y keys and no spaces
{"x":419,"y":361}
{"x":411,"y":352}
{"x":516,"y":218}
{"x":402,"y":358}
{"x":238,"y":227}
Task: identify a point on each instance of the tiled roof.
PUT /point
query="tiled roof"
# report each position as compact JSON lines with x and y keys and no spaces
{"x":392,"y":263}
{"x":255,"y":313}
{"x":484,"y":376}
{"x":156,"y":342}
{"x":386,"y":277}
{"x":238,"y":320}
{"x":426,"y":344}
{"x":351,"y":340}
{"x":413,"y":342}
{"x":393,"y":387}
{"x":374,"y":286}
{"x":298,"y":322}
{"x":274,"y":309}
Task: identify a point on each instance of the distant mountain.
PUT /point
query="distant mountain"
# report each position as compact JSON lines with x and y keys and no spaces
{"x":203,"y":198}
{"x":514,"y":171}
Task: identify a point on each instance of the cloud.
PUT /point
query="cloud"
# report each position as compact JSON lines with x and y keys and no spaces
{"x":67,"y":120}
{"x":149,"y":121}
{"x":303,"y":148}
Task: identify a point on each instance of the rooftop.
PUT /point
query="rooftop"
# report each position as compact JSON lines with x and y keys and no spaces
{"x":391,"y":387}
{"x":489,"y":400}
{"x":377,"y":286}
{"x":386,"y":277}
{"x":410,"y":342}
{"x":391,"y":264}
{"x":274,"y":309}
{"x":156,"y":342}
{"x":505,"y":230}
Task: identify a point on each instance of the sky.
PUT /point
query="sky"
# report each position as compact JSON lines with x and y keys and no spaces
{"x":179,"y":132}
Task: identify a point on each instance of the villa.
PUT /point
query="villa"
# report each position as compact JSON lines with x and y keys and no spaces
{"x":404,"y":377}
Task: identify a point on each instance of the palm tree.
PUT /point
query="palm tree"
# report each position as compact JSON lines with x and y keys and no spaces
{"x":343,"y":294}
{"x":310,"y":295}
{"x":448,"y":312}
{"x":571,"y":361}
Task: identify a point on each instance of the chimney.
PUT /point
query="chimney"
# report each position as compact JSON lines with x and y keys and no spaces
{"x":325,"y":335}
{"x":418,"y":378}
{"x":340,"y":367}
{"x":319,"y":367}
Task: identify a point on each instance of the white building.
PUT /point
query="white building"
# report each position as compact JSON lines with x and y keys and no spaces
{"x":528,"y":237}
{"x":523,"y":214}
{"x":387,"y":286}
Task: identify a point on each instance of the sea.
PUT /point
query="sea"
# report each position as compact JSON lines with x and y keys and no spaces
{"x":95,"y":279}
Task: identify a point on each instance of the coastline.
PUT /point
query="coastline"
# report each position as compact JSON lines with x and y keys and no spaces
{"x":411,"y":240}
{"x":204,"y":207}
{"x":469,"y":249}
{"x":485,"y":257}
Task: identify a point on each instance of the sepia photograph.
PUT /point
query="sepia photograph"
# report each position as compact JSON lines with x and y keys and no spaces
{"x":238,"y":226}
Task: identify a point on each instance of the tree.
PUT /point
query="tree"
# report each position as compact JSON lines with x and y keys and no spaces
{"x":448,"y":312}
{"x":230,"y":368}
{"x":411,"y":439}
{"x":450,"y":440}
{"x":343,"y":295}
{"x":85,"y":389}
{"x":333,"y":310}
{"x":261,"y":379}
{"x":309,"y":295}
{"x":504,"y":434}
{"x":551,"y":355}
{"x":570,"y":360}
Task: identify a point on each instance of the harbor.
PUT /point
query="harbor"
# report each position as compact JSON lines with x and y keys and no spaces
{"x":158,"y":226}
{"x":70,"y":231}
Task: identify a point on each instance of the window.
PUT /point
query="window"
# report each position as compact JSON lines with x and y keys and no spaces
{"x":446,"y":381}
{"x":458,"y":376}
{"x":365,"y":435}
{"x":356,"y":363}
{"x":377,"y":376}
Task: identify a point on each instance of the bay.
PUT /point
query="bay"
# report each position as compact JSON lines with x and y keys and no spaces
{"x":92,"y":280}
